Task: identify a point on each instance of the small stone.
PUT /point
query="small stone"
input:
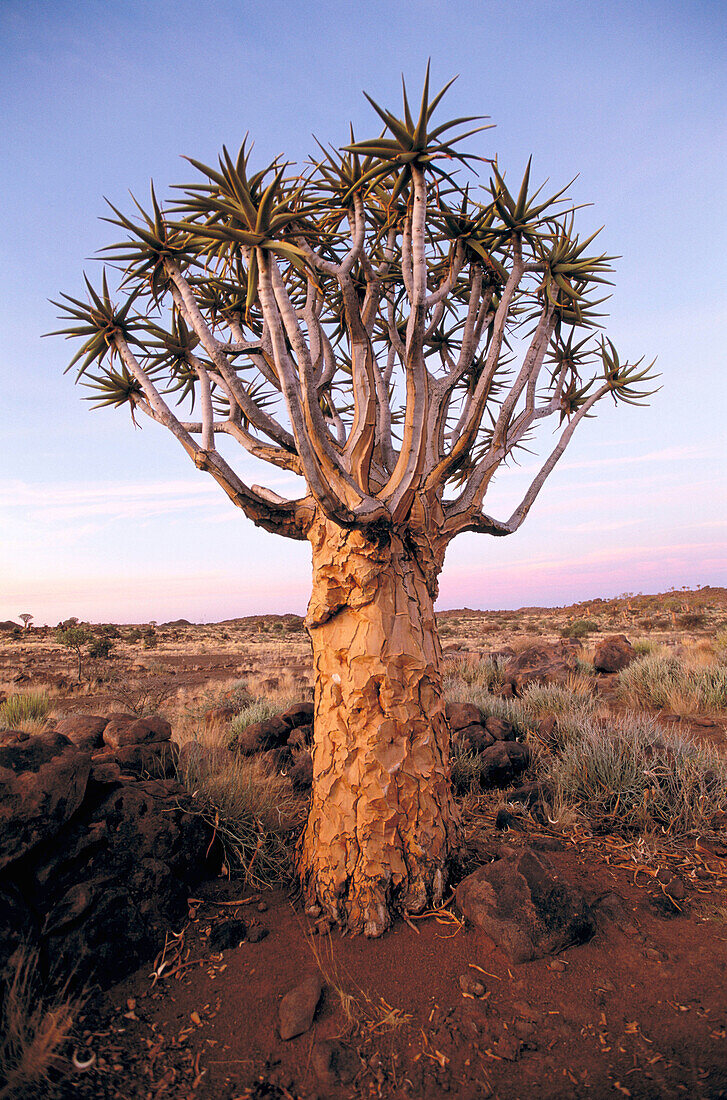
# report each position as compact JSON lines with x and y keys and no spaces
{"x":334,"y":1063}
{"x":262,"y":907}
{"x":526,"y":1011}
{"x":524,"y":1029}
{"x":509,"y":1047}
{"x":298,"y":1007}
{"x":676,"y":889}
{"x":471,"y":986}
{"x":557,"y":966}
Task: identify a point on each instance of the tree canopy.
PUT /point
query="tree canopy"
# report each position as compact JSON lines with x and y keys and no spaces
{"x":389,"y":320}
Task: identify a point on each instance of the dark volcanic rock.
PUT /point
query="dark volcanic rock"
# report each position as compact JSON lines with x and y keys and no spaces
{"x":613,"y":653}
{"x":42,"y":783}
{"x":461,"y":715}
{"x":124,"y":732}
{"x":543,"y":663}
{"x":522,"y":904}
{"x":503,"y":762}
{"x":84,"y":730}
{"x":299,"y":714}
{"x":261,"y":736}
{"x":157,"y":759}
{"x":476,"y":736}
{"x":500,"y":729}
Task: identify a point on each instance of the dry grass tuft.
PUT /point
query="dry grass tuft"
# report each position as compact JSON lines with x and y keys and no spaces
{"x":682,"y":686}
{"x":629,"y":773}
{"x":35,"y":1029}
{"x":364,"y":1015}
{"x":254,"y":812}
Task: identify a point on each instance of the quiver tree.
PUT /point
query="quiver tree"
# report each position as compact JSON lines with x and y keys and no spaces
{"x":388,"y":329}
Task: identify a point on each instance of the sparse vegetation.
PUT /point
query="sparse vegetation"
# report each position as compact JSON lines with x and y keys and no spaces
{"x":261,"y":708}
{"x":364,"y":1015}
{"x":466,"y":673}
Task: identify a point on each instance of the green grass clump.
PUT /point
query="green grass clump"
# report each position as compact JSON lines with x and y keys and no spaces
{"x":27,"y":711}
{"x":254,"y":811}
{"x":630,"y":774}
{"x":259,"y":710}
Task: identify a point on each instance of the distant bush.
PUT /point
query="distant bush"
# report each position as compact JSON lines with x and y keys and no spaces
{"x":100,"y":648}
{"x":26,"y":711}
{"x":691,"y":620}
{"x":151,"y":639}
{"x":579,"y":629}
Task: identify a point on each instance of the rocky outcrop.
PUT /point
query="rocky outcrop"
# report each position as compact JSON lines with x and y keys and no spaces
{"x":523,"y":905}
{"x":613,"y":653}
{"x":99,"y":849}
{"x":42,"y":783}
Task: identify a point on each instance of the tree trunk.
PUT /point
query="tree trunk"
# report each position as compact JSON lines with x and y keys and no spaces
{"x":382,"y":824}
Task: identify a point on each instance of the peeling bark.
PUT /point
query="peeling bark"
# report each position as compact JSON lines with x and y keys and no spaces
{"x":383,"y":824}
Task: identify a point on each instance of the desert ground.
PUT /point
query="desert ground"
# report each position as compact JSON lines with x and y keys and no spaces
{"x":436,"y":1006}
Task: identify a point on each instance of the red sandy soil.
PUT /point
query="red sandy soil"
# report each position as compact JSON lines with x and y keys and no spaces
{"x":639,"y":1011}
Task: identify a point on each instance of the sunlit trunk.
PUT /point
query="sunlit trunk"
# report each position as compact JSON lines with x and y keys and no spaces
{"x":382,"y":824}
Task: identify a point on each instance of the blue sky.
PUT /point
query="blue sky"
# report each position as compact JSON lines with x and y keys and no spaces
{"x":105,"y":521}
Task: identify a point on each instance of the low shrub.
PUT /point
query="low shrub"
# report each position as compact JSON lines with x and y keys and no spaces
{"x":26,"y":711}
